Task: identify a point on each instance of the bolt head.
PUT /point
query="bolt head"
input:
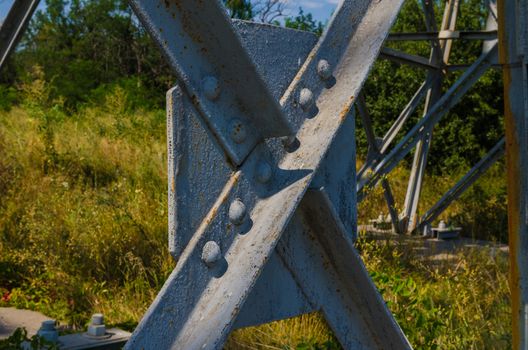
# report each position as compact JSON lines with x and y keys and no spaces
{"x":97,"y":319}
{"x":47,"y":331}
{"x":211,"y":253}
{"x":237,"y":131}
{"x":263,"y":172}
{"x":305,"y":98}
{"x":324,"y":70}
{"x":237,"y":212}
{"x":211,"y":88}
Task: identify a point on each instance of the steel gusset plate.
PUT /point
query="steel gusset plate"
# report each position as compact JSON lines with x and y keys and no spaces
{"x":205,"y":296}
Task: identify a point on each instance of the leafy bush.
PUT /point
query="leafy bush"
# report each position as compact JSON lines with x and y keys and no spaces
{"x":20,"y":340}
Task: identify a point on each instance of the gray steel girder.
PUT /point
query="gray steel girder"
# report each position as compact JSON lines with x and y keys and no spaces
{"x":199,"y":304}
{"x":513,"y":55}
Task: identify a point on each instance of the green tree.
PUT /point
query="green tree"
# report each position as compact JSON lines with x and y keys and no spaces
{"x":82,"y":45}
{"x":241,"y":9}
{"x":304,"y":22}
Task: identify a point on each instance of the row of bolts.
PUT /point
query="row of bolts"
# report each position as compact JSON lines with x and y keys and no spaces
{"x":95,"y":329}
{"x":211,"y":253}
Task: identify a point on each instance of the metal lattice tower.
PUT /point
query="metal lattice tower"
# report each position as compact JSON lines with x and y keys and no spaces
{"x":383,"y":159}
{"x":262,"y":171}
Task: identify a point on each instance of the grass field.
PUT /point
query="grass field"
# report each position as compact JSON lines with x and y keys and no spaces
{"x":83,"y":221}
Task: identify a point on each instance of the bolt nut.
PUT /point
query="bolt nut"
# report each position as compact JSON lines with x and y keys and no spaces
{"x":263,"y":172}
{"x":305,"y":99}
{"x":211,"y":88}
{"x":97,"y":319}
{"x":237,"y":131}
{"x":47,"y":331}
{"x":237,"y":212}
{"x":211,"y":253}
{"x":324,"y":70}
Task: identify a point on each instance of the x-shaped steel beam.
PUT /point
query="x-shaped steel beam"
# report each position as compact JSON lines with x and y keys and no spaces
{"x":266,"y":221}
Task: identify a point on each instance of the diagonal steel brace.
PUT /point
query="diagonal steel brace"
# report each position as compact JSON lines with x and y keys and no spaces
{"x":317,"y":104}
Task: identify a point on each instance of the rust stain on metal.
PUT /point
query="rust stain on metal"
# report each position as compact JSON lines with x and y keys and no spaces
{"x":224,"y":196}
{"x":513,"y":178}
{"x":346,"y":109}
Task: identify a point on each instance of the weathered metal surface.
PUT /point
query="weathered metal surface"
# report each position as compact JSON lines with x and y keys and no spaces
{"x":193,"y":153}
{"x":14,"y":25}
{"x":214,"y":70}
{"x":328,"y":268}
{"x":197,"y":297}
{"x":513,"y":55}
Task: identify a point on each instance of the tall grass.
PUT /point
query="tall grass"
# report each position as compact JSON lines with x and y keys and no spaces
{"x":83,"y":229}
{"x":83,"y":207}
{"x":481,"y":211}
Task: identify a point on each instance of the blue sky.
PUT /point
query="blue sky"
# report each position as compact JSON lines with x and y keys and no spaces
{"x":320,"y":9}
{"x":4,"y":7}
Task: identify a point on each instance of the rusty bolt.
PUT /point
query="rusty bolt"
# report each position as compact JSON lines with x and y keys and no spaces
{"x":237,"y":131}
{"x":305,"y":99}
{"x":211,"y":88}
{"x":237,"y":212}
{"x":211,"y":253}
{"x":324,"y":70}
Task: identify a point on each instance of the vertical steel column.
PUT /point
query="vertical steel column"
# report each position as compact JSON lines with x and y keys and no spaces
{"x":513,"y":55}
{"x":440,"y":57}
{"x":14,"y":26}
